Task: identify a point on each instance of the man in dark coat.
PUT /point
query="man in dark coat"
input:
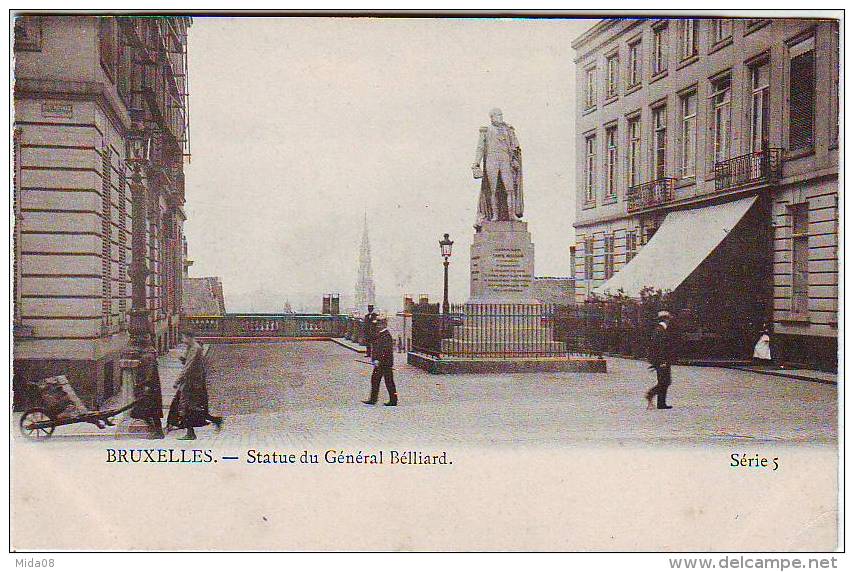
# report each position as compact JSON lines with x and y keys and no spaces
{"x":383,"y":360}
{"x":147,"y":393}
{"x":370,"y":328}
{"x":189,"y":407}
{"x":661,"y":356}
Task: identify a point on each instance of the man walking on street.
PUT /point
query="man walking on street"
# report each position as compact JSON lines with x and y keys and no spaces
{"x":661,"y":356}
{"x":370,"y":328}
{"x":382,"y":356}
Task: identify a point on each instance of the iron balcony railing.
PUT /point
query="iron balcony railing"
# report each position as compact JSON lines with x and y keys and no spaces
{"x":650,"y":194}
{"x":759,"y":167}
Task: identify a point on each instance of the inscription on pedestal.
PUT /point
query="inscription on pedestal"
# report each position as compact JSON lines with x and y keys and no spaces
{"x":502,"y":263}
{"x":509,"y":272}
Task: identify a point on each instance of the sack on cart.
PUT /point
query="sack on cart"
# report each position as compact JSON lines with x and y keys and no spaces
{"x":59,"y":399}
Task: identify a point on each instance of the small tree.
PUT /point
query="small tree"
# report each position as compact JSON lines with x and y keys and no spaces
{"x":622,"y":323}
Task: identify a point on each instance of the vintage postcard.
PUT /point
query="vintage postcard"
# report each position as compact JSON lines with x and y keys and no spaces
{"x":434,"y":282}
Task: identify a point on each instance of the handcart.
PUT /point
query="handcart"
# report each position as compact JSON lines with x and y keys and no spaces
{"x":57,"y":404}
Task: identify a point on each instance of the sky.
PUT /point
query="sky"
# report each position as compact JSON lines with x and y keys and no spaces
{"x":300,"y":126}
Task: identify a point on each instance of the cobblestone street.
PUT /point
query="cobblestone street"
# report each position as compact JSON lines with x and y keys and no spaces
{"x":552,"y":461}
{"x":309,"y":393}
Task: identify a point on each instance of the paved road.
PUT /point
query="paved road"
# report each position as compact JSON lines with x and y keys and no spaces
{"x":546,"y":462}
{"x":307,"y":393}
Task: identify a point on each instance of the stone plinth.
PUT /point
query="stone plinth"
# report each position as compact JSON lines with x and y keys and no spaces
{"x":502,"y":264}
{"x":451,"y":365}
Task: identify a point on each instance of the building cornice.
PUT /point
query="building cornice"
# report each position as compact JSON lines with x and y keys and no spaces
{"x":601,"y":34}
{"x":37,"y":88}
{"x":598,"y":28}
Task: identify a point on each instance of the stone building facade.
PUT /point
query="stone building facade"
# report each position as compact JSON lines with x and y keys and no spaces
{"x":693,"y":116}
{"x":79,"y":82}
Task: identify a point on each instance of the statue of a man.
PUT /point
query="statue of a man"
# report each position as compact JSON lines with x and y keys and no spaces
{"x":498,"y":163}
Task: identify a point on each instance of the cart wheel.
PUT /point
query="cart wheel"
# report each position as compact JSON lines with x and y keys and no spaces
{"x":36,"y":416}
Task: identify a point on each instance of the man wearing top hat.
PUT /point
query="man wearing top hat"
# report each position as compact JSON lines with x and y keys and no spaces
{"x":661,"y":356}
{"x":382,"y":357}
{"x":370,"y":330}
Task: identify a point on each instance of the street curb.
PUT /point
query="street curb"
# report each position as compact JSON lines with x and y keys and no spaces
{"x":783,"y":374}
{"x":435,"y":365}
{"x":349,"y":346}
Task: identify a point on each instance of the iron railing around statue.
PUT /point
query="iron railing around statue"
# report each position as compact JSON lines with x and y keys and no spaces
{"x":650,"y":194}
{"x":504,"y":331}
{"x":268,"y":325}
{"x":754,"y":168}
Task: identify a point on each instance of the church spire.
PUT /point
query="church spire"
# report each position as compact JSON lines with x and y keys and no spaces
{"x":365,"y":289}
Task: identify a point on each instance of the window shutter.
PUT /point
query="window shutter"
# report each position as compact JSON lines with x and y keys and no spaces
{"x":801,"y":100}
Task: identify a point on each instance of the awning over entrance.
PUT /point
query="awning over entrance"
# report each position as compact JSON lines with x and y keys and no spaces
{"x":682,"y":242}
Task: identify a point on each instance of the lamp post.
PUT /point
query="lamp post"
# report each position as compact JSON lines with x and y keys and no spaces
{"x":140,"y":378}
{"x":445,"y":245}
{"x":139,"y":328}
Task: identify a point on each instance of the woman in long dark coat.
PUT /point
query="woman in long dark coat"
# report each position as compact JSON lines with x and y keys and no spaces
{"x":148,"y":396}
{"x":189,"y":407}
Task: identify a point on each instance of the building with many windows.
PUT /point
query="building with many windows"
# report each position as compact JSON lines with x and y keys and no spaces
{"x":81,"y":82}
{"x":708,"y":167}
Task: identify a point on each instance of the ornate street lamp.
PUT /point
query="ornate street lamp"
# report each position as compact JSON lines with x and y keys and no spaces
{"x":446,"y":245}
{"x":140,"y":377}
{"x":138,"y":155}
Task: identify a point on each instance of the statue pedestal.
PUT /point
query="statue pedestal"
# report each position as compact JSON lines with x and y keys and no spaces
{"x":502,"y":264}
{"x":502,"y":318}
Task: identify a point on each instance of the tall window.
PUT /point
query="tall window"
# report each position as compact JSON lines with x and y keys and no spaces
{"x":634,"y":154}
{"x":609,"y":256}
{"x":590,"y":89}
{"x":659,"y":49}
{"x":648,"y":231}
{"x":588,"y":258}
{"x":802,"y":94}
{"x":613,"y":75}
{"x":759,"y":107}
{"x":611,"y":172}
{"x":689,"y":38}
{"x":800,"y":258}
{"x":631,"y":244}
{"x":635,"y":71}
{"x":688,"y":135}
{"x":659,"y":142}
{"x":721,"y":118}
{"x":722,"y":28}
{"x":590,"y":169}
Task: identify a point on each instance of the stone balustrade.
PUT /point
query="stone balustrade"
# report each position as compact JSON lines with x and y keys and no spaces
{"x":270,"y":325}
